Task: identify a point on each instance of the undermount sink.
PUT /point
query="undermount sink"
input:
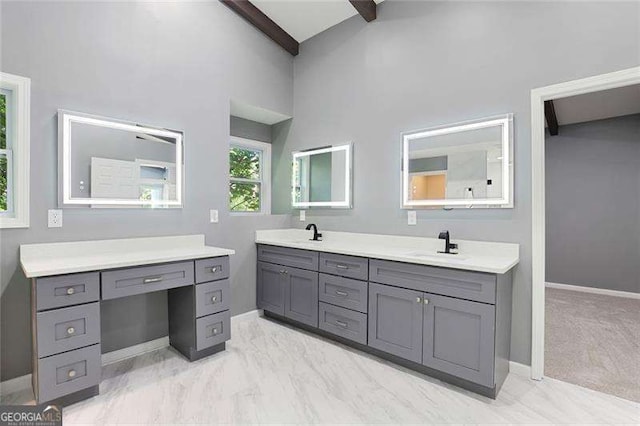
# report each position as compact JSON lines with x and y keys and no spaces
{"x":438,"y":256}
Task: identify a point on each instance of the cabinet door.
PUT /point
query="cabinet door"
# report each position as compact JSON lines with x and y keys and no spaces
{"x":271,"y":287}
{"x":395,"y":321}
{"x":301,"y":296}
{"x":459,"y":338}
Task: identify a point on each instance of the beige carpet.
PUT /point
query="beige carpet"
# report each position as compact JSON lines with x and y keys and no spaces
{"x":593,"y":341}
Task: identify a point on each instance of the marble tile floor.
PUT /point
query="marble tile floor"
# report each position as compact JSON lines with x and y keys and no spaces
{"x":275,"y":374}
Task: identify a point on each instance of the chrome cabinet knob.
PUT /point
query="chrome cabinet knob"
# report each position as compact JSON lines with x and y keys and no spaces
{"x":426,"y":301}
{"x":71,"y":291}
{"x":419,"y":299}
{"x":214,"y":269}
{"x":71,"y":330}
{"x":215,"y":331}
{"x":71,"y":374}
{"x":214,"y":298}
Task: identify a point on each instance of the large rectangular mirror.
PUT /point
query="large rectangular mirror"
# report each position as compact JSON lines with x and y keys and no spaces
{"x":462,"y":165}
{"x":322,"y":177}
{"x":105,"y":162}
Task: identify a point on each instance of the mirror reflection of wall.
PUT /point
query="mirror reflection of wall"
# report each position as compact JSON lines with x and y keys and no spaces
{"x":321,"y":177}
{"x":444,"y":165}
{"x":112,"y":160}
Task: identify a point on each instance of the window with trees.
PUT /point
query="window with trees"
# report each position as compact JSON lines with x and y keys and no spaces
{"x":14,"y":151}
{"x":249,"y":176}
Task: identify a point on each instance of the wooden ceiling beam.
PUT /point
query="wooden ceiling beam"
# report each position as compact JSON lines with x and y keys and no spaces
{"x":552,"y":119}
{"x":258,"y":19}
{"x":366,"y":8}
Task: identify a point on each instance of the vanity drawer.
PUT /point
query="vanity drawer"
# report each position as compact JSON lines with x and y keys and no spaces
{"x":64,"y":329}
{"x":145,"y":279}
{"x":470,"y":285}
{"x":68,"y":372}
{"x":216,"y":268}
{"x":67,"y":290}
{"x":345,"y":292}
{"x":296,"y":258}
{"x":343,"y":322}
{"x":346,"y":266}
{"x":212,"y":297}
{"x":212,"y":330}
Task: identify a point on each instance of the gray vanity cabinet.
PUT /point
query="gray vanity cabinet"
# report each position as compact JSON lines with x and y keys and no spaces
{"x":290,"y":292}
{"x":459,"y":338}
{"x":271,"y":287}
{"x":449,"y":323}
{"x":395,"y":321}
{"x":301,"y":296}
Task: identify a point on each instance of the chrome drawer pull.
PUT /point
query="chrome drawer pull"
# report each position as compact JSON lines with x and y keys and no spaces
{"x":215,"y":331}
{"x":71,"y":330}
{"x":342,"y":266}
{"x":152,"y":280}
{"x":342,"y":293}
{"x":214,"y":269}
{"x":341,"y":324}
{"x":71,"y":374}
{"x":214,"y":299}
{"x":71,"y":291}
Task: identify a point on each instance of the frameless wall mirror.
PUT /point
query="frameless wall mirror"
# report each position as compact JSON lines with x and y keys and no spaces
{"x":462,"y":165}
{"x":322,"y":177}
{"x":105,"y":162}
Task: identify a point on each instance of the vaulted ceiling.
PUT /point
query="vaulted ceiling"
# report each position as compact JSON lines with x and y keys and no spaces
{"x":290,"y":22}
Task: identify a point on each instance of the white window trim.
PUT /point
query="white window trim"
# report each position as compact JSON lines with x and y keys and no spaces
{"x":21,"y":88}
{"x":265,"y":173}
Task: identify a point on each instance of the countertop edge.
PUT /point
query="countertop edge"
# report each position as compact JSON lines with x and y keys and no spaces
{"x":501,"y":270}
{"x":39,"y":273}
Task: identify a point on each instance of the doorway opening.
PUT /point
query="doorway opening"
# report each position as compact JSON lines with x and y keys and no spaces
{"x":591,"y":188}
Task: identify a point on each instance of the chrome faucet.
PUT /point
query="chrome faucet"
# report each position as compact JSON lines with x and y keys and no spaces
{"x":316,"y":235}
{"x":448,"y":245}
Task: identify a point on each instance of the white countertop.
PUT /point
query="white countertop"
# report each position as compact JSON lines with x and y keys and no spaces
{"x":481,"y":256}
{"x":39,"y":260}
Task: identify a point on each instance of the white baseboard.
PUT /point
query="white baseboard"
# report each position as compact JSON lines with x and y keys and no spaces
{"x":247,"y":315}
{"x":17,"y":384}
{"x":519,"y":369}
{"x":593,"y":290}
{"x":135,"y":350}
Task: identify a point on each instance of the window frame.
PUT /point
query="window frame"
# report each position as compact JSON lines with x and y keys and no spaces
{"x":17,"y":151}
{"x":265,"y":174}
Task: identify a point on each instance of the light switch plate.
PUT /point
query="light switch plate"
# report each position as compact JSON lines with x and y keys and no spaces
{"x":54,"y":218}
{"x":213,"y":216}
{"x":412,"y":218}
{"x":303,"y":215}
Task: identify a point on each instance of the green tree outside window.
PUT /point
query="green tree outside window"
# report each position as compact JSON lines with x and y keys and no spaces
{"x":245,"y":183}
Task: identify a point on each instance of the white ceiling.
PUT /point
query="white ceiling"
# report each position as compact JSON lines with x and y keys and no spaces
{"x":598,"y":105}
{"x":303,"y":19}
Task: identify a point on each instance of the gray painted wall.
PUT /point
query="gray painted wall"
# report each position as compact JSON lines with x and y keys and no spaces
{"x":168,"y":64}
{"x":423,"y":64}
{"x":593,"y":204}
{"x":243,"y":128}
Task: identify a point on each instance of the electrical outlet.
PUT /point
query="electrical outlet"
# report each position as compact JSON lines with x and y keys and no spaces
{"x":303,"y":215}
{"x":412,"y":218}
{"x":55,"y":218}
{"x":213,"y":216}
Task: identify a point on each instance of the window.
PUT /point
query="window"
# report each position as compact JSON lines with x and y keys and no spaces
{"x":14,"y":151}
{"x":250,"y":176}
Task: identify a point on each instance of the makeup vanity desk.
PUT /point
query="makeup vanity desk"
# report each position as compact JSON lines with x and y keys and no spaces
{"x":68,"y":281}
